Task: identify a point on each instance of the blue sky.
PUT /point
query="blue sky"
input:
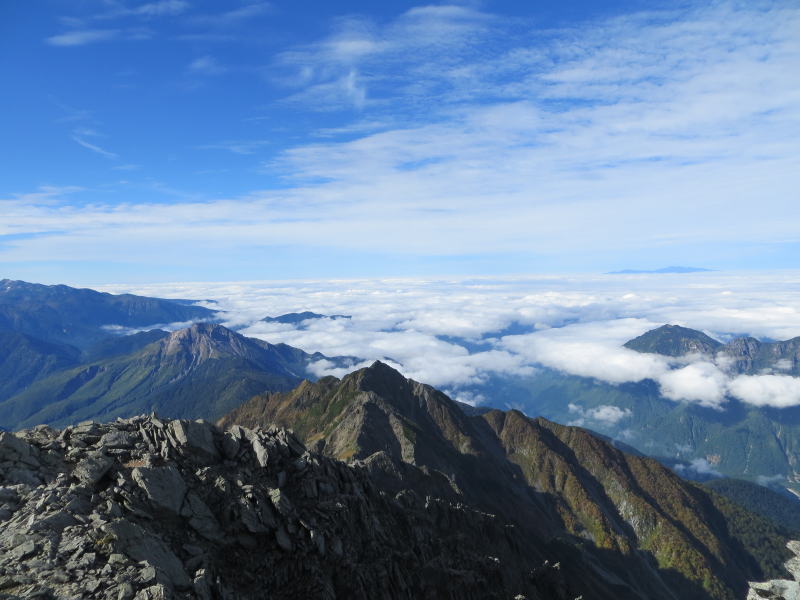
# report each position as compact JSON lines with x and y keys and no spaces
{"x":177,"y":140}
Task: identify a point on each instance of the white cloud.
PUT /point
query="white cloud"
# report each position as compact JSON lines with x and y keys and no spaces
{"x":511,"y":140}
{"x":577,"y":324}
{"x":699,"y":466}
{"x":701,"y":382}
{"x":587,"y":359}
{"x":603,"y":415}
{"x":161,"y":8}
{"x":93,"y":147}
{"x":768,"y":481}
{"x":206,"y":65}
{"x":83,"y":37}
{"x":779,"y":391}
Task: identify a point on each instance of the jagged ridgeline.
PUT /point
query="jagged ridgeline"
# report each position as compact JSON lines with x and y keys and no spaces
{"x":622,"y":526}
{"x":151,"y":509}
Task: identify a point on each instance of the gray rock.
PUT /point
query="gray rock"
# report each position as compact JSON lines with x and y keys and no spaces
{"x":196,"y":438}
{"x":24,"y":550}
{"x":201,"y":518}
{"x":92,"y":468}
{"x":126,"y":591}
{"x":281,"y":502}
{"x":261,"y":452}
{"x":164,"y":486}
{"x":22,"y":475}
{"x":202,"y":587}
{"x":117,"y":438}
{"x":8,"y":495}
{"x":140,"y":545}
{"x":55,"y":522}
{"x":154,"y":592}
{"x":14,"y":449}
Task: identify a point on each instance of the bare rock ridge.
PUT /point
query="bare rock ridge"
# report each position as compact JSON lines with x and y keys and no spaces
{"x":148,"y":509}
{"x":622,"y":526}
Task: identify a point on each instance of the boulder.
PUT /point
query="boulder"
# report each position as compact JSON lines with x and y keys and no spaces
{"x":164,"y":486}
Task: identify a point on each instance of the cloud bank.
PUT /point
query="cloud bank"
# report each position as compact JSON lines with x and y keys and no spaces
{"x":454,"y":333}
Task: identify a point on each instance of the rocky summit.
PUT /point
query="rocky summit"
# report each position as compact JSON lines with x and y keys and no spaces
{"x":148,"y":509}
{"x":621,"y":525}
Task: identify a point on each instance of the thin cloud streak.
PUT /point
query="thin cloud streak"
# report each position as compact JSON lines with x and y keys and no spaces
{"x":83,"y":37}
{"x":94,"y":147}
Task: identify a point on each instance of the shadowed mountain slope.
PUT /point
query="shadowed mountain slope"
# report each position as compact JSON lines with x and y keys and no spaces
{"x":62,"y":314}
{"x":202,"y":371}
{"x":25,"y":359}
{"x":630,"y":527}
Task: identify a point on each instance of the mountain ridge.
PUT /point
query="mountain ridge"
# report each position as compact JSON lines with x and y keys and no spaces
{"x":563,"y":478}
{"x":201,"y":371}
{"x":79,"y":316}
{"x":745,"y":354}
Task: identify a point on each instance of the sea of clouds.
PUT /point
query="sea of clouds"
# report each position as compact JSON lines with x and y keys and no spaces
{"x":454,"y":333}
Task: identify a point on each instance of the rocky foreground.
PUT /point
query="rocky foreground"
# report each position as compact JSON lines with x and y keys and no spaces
{"x":147,"y":509}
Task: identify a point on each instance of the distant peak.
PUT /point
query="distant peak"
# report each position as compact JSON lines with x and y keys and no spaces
{"x":382,"y":367}
{"x":673,"y":340}
{"x":206,"y":340}
{"x":378,"y":377}
{"x":296,"y":318}
{"x":202,"y":329}
{"x":663,"y":270}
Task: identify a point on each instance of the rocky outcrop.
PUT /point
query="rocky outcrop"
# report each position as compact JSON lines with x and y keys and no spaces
{"x":780,"y":589}
{"x":150,"y":509}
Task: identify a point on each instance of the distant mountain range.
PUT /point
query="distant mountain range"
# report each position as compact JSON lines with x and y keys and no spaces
{"x":741,"y":440}
{"x":658,"y":271}
{"x":746,"y":354}
{"x":642,"y":531}
{"x":198,"y":372}
{"x":62,"y":359}
{"x":82,"y":317}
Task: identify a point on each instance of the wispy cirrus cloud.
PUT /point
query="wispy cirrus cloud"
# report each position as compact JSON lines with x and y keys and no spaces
{"x":206,"y":65}
{"x":82,"y":141}
{"x":234,"y":16}
{"x":81,"y":37}
{"x":653,"y":134}
{"x":243,"y":147}
{"x":82,"y":30}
